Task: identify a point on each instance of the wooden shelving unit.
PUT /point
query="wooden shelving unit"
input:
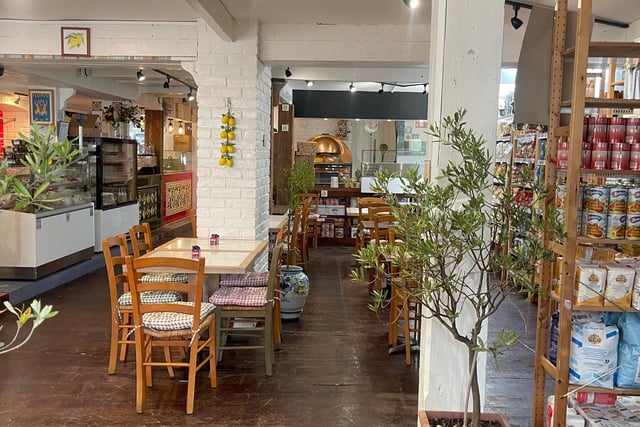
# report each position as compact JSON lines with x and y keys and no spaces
{"x":563,"y":299}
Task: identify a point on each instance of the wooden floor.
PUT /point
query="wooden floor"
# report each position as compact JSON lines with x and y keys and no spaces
{"x":333,"y":368}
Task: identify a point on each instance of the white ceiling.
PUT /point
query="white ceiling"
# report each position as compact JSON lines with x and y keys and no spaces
{"x":19,"y":77}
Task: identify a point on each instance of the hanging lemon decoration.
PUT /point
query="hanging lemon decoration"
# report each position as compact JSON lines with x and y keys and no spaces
{"x":227,"y":134}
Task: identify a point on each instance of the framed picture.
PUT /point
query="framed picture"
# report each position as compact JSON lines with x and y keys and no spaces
{"x":75,"y":41}
{"x":41,"y":106}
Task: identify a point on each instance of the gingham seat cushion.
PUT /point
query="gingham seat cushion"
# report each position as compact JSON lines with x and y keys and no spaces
{"x":246,"y":297}
{"x":151,"y":297}
{"x":165,"y":277}
{"x":253,"y":279}
{"x":168,"y":321}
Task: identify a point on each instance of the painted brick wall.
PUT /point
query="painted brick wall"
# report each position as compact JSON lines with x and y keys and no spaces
{"x":233,"y":202}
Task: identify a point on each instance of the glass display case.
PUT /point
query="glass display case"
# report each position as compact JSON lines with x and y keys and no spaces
{"x":111,"y":171}
{"x":112,"y":165}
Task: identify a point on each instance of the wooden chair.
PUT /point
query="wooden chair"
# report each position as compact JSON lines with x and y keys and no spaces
{"x":406,"y":306}
{"x":194,"y":223}
{"x":253,"y":306}
{"x":313,"y":225}
{"x":141,"y":241}
{"x":366,"y":207}
{"x":114,"y":250}
{"x":179,"y":324}
{"x":380,"y":235}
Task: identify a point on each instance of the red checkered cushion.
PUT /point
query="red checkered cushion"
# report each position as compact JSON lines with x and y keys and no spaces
{"x":252,"y":279}
{"x":151,"y":297}
{"x":247,"y":296}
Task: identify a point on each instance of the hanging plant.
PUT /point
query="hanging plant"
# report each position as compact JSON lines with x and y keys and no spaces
{"x":228,"y":135}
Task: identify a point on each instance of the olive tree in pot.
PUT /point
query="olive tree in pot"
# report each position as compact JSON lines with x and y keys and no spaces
{"x":449,"y":236}
{"x":46,"y":161}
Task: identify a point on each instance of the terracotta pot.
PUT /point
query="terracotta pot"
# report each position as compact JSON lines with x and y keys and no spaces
{"x":424,"y":417}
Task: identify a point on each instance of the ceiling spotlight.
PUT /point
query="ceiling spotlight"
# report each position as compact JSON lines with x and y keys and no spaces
{"x":140,"y":75}
{"x":352,"y":88}
{"x":381,"y":88}
{"x":166,"y":84}
{"x":170,"y":126}
{"x":309,"y":83}
{"x":288,"y":72}
{"x":191,"y":96}
{"x":180,"y":129}
{"x":515,"y":21}
{"x":424,"y":91}
{"x":412,"y":4}
{"x":17,"y":101}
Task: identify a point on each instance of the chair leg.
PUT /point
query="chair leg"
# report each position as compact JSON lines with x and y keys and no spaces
{"x":148,"y":355}
{"x":167,"y":358}
{"x":213,"y":373}
{"x":191,"y":384}
{"x":141,"y":386}
{"x":277,"y":323}
{"x":268,"y":343}
{"x":407,"y":331}
{"x":113,"y":350}
{"x":126,"y":320}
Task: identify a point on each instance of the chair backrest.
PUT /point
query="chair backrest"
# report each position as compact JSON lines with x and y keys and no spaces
{"x":274,"y":271}
{"x":178,"y":265}
{"x":372,"y":211}
{"x":114,"y":250}
{"x":364,"y":203}
{"x":314,"y":201}
{"x":140,"y":235}
{"x":194,"y":223}
{"x":381,"y":224}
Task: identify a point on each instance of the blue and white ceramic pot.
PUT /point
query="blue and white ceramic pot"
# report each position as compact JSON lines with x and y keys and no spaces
{"x":294,"y":287}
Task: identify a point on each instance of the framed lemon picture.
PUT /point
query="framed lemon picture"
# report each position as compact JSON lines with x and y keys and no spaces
{"x":41,"y":106}
{"x":75,"y":41}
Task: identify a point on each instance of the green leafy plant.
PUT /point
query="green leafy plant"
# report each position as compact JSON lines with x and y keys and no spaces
{"x":300,"y":180}
{"x":126,"y":113}
{"x":452,"y":234}
{"x":46,"y":160}
{"x":35,"y":313}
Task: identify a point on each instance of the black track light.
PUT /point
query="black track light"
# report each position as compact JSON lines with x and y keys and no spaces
{"x":140,"y":75}
{"x":352,"y":88}
{"x":288,"y":72}
{"x":191,"y":96}
{"x":381,"y":88}
{"x":515,"y":21}
{"x":309,"y":83}
{"x":411,"y":4}
{"x":424,"y":91}
{"x":166,"y":84}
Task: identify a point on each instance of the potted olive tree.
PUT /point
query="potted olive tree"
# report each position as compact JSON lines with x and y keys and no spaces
{"x":449,"y":235}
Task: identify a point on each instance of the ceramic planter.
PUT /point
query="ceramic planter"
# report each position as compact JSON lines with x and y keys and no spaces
{"x":294,"y":287}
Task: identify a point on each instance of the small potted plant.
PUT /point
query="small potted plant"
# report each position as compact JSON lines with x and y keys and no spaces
{"x":449,"y":235}
{"x":119,"y":117}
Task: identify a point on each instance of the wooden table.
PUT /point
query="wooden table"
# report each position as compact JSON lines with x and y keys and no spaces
{"x":229,"y":256}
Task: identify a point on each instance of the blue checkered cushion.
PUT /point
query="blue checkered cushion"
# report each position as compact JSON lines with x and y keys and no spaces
{"x":252,"y":279}
{"x":168,"y":321}
{"x":246,"y":297}
{"x":150,"y":297}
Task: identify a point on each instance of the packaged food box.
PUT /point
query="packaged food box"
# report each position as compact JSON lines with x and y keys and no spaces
{"x":620,"y":280}
{"x":589,"y":285}
{"x":593,"y":354}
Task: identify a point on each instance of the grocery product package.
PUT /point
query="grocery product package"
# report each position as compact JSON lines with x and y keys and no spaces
{"x":594,"y":354}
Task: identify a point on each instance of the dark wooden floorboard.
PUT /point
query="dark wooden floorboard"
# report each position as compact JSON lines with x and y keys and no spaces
{"x":333,"y":368}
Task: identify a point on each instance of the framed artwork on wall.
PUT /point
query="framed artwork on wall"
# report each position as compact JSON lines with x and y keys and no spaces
{"x":41,"y":106}
{"x":75,"y":41}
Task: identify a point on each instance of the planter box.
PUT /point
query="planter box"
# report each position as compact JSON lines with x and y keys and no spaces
{"x":424,"y":416}
{"x":35,"y":245}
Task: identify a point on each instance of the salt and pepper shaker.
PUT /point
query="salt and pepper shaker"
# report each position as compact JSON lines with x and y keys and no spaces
{"x":214,"y":239}
{"x":195,"y":252}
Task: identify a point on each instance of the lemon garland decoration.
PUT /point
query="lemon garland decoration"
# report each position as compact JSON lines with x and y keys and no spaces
{"x":228,"y":134}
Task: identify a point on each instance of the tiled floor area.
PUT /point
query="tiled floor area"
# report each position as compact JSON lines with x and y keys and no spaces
{"x":333,"y":368}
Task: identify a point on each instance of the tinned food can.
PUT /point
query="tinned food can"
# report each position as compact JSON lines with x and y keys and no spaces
{"x":561,"y":196}
{"x":633,"y":200}
{"x":616,"y":225}
{"x":618,"y":200}
{"x":596,"y":198}
{"x":633,"y":227}
{"x":596,"y":225}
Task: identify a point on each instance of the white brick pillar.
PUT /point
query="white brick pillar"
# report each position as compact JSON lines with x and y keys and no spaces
{"x":232,"y":201}
{"x":464,"y":72}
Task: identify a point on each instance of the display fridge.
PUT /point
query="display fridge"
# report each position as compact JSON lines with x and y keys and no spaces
{"x":112,"y":184}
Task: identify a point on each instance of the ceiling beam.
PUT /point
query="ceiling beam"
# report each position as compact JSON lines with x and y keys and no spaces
{"x":216,"y":16}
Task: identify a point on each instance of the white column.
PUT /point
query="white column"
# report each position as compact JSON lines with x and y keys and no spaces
{"x":466,"y":44}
